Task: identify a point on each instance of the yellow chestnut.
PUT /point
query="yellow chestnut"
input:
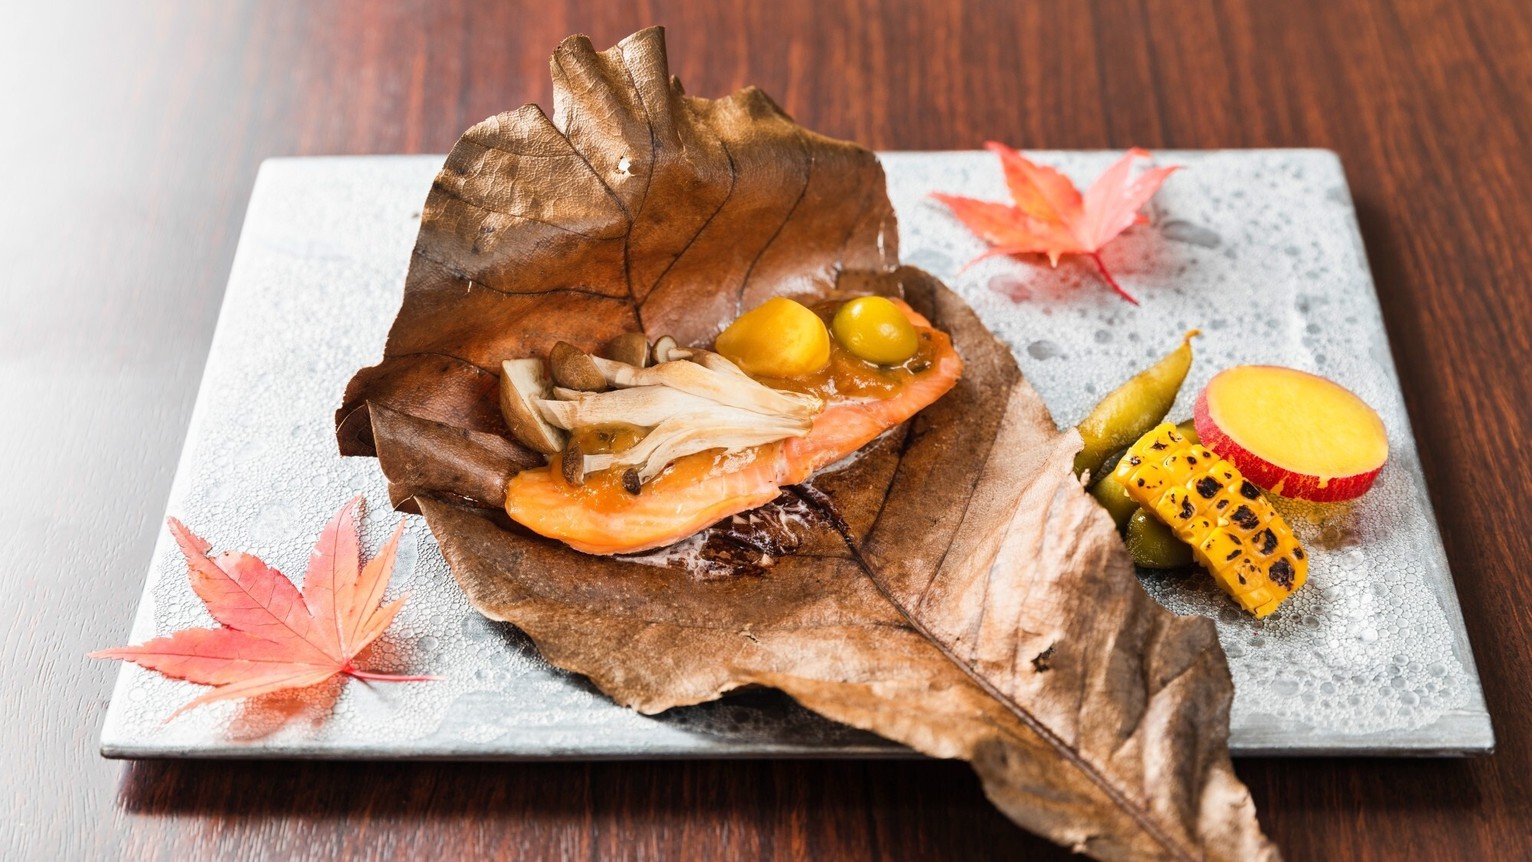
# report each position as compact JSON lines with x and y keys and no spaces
{"x":876,"y":330}
{"x":778,"y":338}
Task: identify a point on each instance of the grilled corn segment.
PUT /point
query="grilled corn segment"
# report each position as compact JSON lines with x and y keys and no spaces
{"x":1233,"y":531}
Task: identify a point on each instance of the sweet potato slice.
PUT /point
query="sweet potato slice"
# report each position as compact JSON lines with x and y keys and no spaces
{"x":1293,"y":433}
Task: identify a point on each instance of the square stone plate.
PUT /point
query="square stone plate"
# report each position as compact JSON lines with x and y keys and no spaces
{"x":1259,"y":249}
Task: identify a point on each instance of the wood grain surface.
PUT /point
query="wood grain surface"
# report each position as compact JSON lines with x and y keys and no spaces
{"x":130,"y":133}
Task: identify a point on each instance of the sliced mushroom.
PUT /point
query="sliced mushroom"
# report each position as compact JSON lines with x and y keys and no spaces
{"x":688,"y":434}
{"x":714,"y":362}
{"x":662,"y":349}
{"x":573,"y":368}
{"x":523,"y":382}
{"x":572,"y":462}
{"x":644,"y":406}
{"x":631,"y":348}
{"x":691,"y":401}
{"x":722,"y":387}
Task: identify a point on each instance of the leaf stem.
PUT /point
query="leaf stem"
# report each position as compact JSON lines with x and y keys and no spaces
{"x":386,"y":677}
{"x":1101,"y":265}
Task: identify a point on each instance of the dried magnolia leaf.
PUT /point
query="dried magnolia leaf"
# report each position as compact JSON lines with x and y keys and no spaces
{"x":634,"y":207}
{"x":952,"y":588}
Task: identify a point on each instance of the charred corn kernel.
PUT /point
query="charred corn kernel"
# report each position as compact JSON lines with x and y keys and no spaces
{"x":1147,"y":482}
{"x":1233,"y":531}
{"x":1222,"y":548}
{"x":1198,"y":530}
{"x":1175,"y":507}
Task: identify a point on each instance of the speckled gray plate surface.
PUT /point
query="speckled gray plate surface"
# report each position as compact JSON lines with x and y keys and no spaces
{"x":1258,"y":248}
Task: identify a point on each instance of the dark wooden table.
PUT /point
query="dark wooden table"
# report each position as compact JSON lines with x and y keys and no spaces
{"x":132,"y":132}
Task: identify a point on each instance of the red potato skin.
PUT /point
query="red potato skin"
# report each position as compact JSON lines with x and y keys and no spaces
{"x":1270,"y":477}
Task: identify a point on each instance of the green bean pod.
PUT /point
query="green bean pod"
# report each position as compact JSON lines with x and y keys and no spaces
{"x":1131,"y":410}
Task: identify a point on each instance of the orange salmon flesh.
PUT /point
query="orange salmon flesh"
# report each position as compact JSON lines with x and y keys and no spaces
{"x":697,"y":491}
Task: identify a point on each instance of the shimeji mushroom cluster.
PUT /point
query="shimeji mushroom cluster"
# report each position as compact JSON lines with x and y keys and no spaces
{"x":681,"y":400}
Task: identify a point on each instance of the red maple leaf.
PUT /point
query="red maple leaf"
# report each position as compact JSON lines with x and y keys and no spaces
{"x":1050,"y":215}
{"x":274,"y":636}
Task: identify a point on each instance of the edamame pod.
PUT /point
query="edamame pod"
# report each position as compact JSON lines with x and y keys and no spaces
{"x":1154,"y":545}
{"x":1114,"y":498}
{"x":1133,"y":409}
{"x":1111,"y":494}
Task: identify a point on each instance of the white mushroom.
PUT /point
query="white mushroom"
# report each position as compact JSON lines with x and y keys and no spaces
{"x":688,"y":434}
{"x":631,"y":348}
{"x":722,"y":387}
{"x":644,"y":406}
{"x":573,"y":368}
{"x":693,"y":400}
{"x":663,"y":347}
{"x":523,"y":382}
{"x":572,"y":462}
{"x":709,"y":360}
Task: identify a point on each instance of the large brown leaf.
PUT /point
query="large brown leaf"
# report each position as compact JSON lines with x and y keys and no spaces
{"x":952,"y":589}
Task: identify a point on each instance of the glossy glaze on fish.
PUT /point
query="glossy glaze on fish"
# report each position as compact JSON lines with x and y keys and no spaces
{"x":696,"y":491}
